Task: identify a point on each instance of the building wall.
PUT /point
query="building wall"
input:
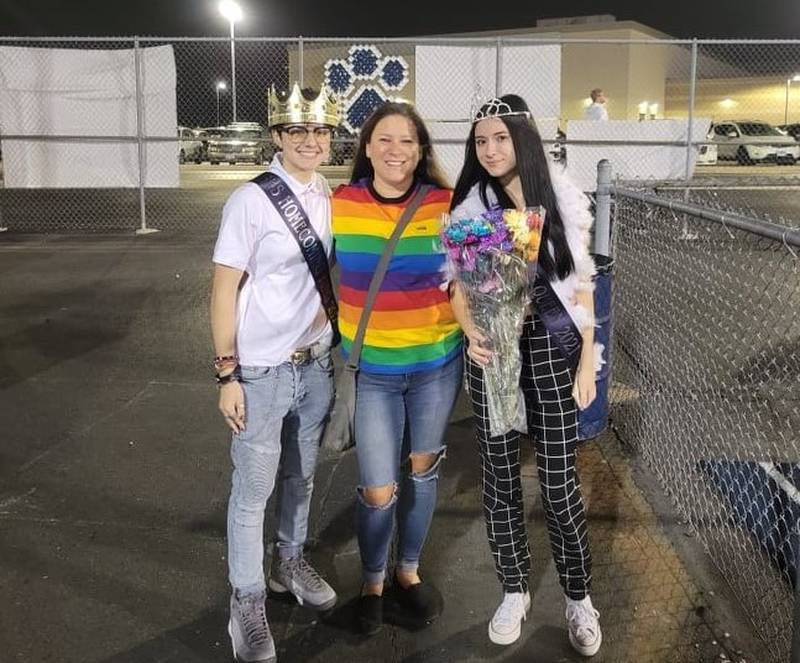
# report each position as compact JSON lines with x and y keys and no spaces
{"x":316,"y":54}
{"x":752,"y":98}
{"x":628,"y":73}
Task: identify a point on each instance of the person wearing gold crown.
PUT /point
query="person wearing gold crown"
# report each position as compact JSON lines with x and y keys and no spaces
{"x":274,"y":322}
{"x":505,"y":165}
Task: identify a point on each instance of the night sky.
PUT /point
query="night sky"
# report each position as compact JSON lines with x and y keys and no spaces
{"x":265,"y":18}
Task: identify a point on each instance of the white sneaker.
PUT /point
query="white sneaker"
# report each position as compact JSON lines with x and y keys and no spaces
{"x":584,"y":628}
{"x":506,"y":625}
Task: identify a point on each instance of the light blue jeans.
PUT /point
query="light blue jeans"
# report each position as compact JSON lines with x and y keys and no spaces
{"x":285,"y":408}
{"x":392,"y":409}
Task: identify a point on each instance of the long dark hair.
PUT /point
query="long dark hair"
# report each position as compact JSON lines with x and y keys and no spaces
{"x":534,"y":176}
{"x":427,"y":170}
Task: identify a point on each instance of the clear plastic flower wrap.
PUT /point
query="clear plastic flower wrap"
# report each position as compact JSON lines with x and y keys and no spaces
{"x":492,"y":256}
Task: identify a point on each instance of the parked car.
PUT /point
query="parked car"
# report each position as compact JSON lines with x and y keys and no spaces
{"x":792,"y":130}
{"x":707,"y":154}
{"x":204,"y":135}
{"x":240,"y":142}
{"x":343,"y":147}
{"x":190,"y":148}
{"x":558,"y":149}
{"x":751,"y":141}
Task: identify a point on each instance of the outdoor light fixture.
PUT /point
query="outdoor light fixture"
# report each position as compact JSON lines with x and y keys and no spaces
{"x":220,"y":86}
{"x":231,"y":10}
{"x":789,"y":81}
{"x":643,"y":110}
{"x":652,"y":110}
{"x":728,"y":103}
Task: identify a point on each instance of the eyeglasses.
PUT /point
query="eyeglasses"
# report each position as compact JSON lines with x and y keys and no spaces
{"x":299,"y":133}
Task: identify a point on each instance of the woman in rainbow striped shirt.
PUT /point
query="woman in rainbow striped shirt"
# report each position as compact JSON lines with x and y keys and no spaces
{"x":410,"y":369}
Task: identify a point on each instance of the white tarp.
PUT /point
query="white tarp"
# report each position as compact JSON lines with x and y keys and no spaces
{"x":452,"y":80}
{"x":449,"y":141}
{"x":628,"y":160}
{"x":86,"y":93}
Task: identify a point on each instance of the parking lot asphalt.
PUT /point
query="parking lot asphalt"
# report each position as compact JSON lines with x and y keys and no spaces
{"x":764,"y":191}
{"x":114,"y":481}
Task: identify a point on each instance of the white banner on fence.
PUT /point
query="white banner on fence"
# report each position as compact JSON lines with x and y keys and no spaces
{"x":631,"y":161}
{"x":452,"y":80}
{"x":71,"y":92}
{"x":449,"y":77}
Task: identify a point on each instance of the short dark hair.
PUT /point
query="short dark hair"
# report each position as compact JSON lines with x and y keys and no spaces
{"x":427,"y":170}
{"x":596,"y":93}
{"x":534,"y":174}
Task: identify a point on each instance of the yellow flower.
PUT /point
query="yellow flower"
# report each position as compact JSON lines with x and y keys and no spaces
{"x":526,"y":229}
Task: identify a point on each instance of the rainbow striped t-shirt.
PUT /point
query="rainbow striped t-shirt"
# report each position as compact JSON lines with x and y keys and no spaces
{"x":412,"y":327}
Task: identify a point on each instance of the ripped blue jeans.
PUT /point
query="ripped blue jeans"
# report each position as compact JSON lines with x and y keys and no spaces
{"x":396,"y":414}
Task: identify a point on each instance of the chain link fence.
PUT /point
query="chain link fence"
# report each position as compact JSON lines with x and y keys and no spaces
{"x":707,"y":385}
{"x":707,"y":350}
{"x":167,"y":155}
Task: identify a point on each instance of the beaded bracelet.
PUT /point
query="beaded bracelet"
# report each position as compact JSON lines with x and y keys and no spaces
{"x":226,"y":359}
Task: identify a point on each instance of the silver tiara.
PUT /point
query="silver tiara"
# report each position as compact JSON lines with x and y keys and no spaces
{"x":496,"y":108}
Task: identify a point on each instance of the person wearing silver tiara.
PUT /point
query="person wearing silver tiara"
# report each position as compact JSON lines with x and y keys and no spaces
{"x":273,"y":328}
{"x":505,"y":165}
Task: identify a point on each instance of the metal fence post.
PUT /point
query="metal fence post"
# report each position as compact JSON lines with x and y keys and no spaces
{"x":795,"y":534}
{"x":594,"y":419}
{"x":602,"y":223}
{"x":143,"y":230}
{"x":300,"y":63}
{"x":685,"y":232}
{"x":498,"y":73}
{"x":2,"y":227}
{"x":690,"y":126}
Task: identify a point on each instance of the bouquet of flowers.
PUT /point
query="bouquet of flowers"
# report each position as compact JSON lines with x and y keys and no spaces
{"x":491,"y":257}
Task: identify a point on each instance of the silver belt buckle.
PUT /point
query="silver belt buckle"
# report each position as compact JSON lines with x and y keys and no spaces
{"x":299,"y":357}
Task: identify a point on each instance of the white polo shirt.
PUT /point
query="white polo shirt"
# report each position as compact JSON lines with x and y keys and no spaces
{"x":279,"y":308}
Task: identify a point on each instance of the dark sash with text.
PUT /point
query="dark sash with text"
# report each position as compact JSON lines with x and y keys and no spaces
{"x":294,"y":216}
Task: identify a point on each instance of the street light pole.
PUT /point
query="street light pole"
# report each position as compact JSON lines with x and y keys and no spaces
{"x":231,"y":11}
{"x":233,"y":73}
{"x":795,"y":78}
{"x":220,"y":86}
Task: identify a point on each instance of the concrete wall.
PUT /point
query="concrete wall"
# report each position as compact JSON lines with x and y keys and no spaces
{"x":752,"y":98}
{"x":628,"y":73}
{"x":316,"y":54}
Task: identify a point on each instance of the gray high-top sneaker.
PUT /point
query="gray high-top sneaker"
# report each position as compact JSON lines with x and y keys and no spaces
{"x":250,"y":636}
{"x":297,"y":576}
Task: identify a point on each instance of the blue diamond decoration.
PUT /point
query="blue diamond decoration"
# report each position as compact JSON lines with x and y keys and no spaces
{"x":339,"y":78}
{"x":362,"y":106}
{"x":365,"y":61}
{"x":395,"y":73}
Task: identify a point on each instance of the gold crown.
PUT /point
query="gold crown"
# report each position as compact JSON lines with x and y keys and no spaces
{"x":296,"y":109}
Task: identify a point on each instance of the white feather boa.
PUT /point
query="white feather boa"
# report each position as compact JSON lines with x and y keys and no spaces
{"x":573,"y":206}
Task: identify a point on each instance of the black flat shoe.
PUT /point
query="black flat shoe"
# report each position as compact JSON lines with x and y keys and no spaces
{"x":370,"y":614}
{"x":422,"y":601}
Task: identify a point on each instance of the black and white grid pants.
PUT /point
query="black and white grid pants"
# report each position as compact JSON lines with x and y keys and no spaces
{"x":552,"y":422}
